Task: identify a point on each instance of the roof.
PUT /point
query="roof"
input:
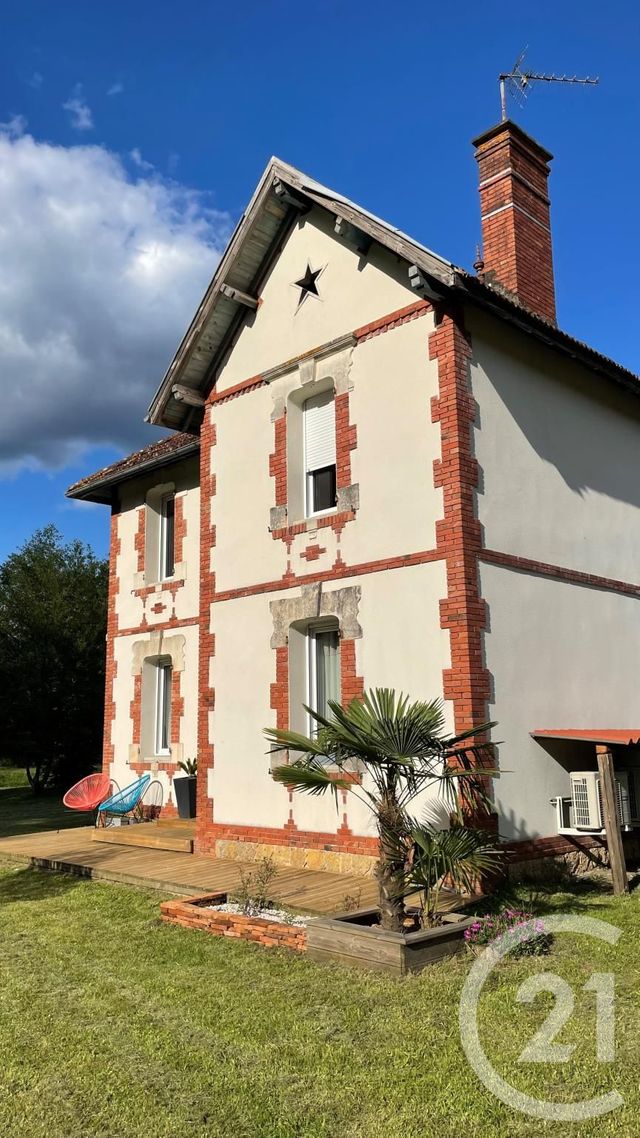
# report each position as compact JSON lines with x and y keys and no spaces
{"x":99,"y":487}
{"x":628,"y":736}
{"x":280,"y":195}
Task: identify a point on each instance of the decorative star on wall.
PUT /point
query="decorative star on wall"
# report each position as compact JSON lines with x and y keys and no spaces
{"x":308,"y":284}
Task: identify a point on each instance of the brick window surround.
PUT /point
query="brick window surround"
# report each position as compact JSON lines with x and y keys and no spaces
{"x":145,"y":581}
{"x":157,"y":645}
{"x":329,"y":371}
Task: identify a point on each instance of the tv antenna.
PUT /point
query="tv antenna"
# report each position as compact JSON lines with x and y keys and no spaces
{"x":519,"y":82}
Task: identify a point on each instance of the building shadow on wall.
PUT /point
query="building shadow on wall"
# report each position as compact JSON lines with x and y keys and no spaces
{"x":583,"y":449}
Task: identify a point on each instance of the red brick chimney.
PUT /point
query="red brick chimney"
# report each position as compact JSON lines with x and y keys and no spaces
{"x":516,"y":231}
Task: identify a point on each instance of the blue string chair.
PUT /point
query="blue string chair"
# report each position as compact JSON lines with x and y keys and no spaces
{"x":125,"y":801}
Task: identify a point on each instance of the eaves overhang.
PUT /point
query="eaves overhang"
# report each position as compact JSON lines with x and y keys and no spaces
{"x":100,"y":487}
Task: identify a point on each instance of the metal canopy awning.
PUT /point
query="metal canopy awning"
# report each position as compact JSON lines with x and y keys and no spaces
{"x":629,"y":736}
{"x":609,"y":791}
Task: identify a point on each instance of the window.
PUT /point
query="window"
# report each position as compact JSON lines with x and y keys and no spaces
{"x":323,"y":669}
{"x":167,"y":537}
{"x":163,"y":709}
{"x":320,"y":453}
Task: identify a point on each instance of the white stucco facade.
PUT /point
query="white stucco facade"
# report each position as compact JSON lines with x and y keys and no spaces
{"x":154,"y":620}
{"x":558,"y":454}
{"x":401,"y":646}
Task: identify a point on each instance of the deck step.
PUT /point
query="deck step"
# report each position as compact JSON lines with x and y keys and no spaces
{"x":149,"y":835}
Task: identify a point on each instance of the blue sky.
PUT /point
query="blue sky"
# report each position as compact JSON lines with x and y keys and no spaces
{"x":134,"y":133}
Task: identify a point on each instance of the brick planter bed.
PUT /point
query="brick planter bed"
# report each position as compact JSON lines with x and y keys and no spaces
{"x":193,"y":913}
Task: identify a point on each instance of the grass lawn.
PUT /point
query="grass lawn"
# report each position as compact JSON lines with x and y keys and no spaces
{"x":23,"y":812}
{"x":115,"y":1026}
{"x":13,"y":776}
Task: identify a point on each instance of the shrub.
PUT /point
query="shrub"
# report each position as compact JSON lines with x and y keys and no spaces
{"x":513,"y":924}
{"x":253,"y":894}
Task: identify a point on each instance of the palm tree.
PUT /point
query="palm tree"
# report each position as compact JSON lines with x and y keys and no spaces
{"x":400,"y":748}
{"x":458,"y":855}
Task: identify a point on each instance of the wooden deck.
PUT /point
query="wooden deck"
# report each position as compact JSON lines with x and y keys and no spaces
{"x":175,"y":835}
{"x":75,"y":851}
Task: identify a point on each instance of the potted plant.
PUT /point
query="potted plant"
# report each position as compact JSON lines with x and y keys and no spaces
{"x":185,"y":788}
{"x":386,"y":750}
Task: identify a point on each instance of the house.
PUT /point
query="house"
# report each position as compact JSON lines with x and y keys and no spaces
{"x":384,"y":470}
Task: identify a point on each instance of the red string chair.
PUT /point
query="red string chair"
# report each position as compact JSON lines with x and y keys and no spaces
{"x":88,"y":793}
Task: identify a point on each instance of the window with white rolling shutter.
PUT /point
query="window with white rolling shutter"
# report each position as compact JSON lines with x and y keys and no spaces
{"x":320,"y":453}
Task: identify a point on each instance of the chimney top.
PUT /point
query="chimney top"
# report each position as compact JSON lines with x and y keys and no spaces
{"x":516,"y":228}
{"x":516,"y":132}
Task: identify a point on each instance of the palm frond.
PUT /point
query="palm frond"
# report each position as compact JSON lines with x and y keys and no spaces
{"x":478,"y":729}
{"x":310,"y":776}
{"x":459,"y":854}
{"x":292,"y":741}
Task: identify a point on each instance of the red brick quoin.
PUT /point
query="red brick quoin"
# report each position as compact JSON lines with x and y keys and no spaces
{"x":112,"y":629}
{"x":467,"y":682}
{"x":207,"y":642}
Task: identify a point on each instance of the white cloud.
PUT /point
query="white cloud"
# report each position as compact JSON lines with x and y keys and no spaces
{"x":14,"y":127}
{"x":137,"y":159}
{"x":36,"y":80}
{"x":79,"y":110}
{"x":115,"y":89}
{"x":100,"y":276}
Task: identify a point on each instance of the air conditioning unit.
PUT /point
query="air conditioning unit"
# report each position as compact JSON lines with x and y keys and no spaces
{"x":586,"y":799}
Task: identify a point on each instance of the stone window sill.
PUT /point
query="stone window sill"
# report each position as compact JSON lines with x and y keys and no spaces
{"x":310,"y":525}
{"x":345,"y":511}
{"x":142,"y":586}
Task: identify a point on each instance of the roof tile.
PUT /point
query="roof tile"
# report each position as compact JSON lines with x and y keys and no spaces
{"x":168,"y":448}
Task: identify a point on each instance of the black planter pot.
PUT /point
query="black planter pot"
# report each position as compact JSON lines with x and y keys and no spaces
{"x":185,"y":792}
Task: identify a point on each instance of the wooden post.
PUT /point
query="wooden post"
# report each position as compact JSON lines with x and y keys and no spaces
{"x":611,"y":824}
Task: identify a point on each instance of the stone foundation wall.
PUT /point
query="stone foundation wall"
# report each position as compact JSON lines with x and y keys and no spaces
{"x":297,"y":857}
{"x":563,"y":856}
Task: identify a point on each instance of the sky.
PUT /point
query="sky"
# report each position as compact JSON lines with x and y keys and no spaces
{"x":132,"y":136}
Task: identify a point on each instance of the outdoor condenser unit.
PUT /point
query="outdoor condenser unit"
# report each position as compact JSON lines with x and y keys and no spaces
{"x":586,"y":799}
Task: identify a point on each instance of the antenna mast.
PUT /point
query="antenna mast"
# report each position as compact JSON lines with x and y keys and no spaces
{"x":519,"y":82}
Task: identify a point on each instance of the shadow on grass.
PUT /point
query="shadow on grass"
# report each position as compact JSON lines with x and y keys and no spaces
{"x":26,"y":883}
{"x":541,"y":897}
{"x":23,"y":812}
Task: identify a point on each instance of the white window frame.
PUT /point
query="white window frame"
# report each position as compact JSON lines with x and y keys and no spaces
{"x":313,"y":632}
{"x":309,"y":512}
{"x":164,"y":684}
{"x":163,"y":537}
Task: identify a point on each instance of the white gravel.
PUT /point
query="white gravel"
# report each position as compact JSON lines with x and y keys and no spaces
{"x":280,"y":916}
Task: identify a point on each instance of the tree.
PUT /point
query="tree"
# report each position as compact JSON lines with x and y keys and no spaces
{"x":401,"y":747}
{"x":53,"y":606}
